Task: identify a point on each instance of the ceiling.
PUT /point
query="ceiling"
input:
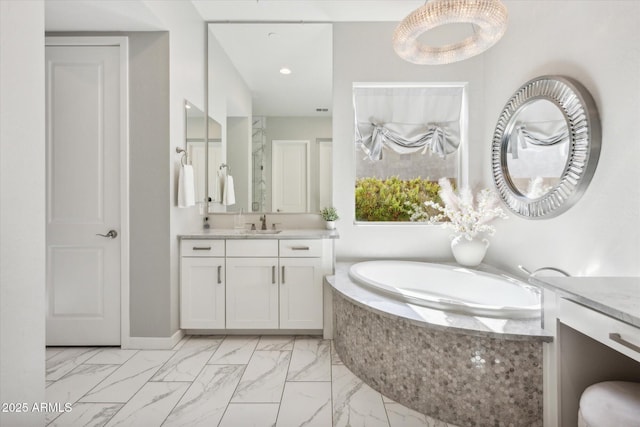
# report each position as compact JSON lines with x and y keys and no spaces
{"x":260,"y":50}
{"x":306,"y":10}
{"x":138,"y":15}
{"x":257,"y":56}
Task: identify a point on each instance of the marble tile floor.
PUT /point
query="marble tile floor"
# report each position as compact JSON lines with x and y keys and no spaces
{"x":225,"y":381}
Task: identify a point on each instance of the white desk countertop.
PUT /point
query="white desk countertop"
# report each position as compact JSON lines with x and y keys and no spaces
{"x":618,"y":297}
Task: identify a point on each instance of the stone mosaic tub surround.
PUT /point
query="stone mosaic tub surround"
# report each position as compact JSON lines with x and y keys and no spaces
{"x":475,"y":373}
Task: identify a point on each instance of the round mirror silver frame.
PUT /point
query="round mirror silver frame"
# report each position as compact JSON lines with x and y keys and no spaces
{"x":581,"y":115}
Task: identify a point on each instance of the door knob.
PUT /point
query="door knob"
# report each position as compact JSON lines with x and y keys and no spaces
{"x":112,"y":234}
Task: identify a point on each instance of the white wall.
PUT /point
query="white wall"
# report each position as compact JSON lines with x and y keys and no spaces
{"x":22,"y":209}
{"x":187,"y":76}
{"x":149,"y":127}
{"x":595,"y":42}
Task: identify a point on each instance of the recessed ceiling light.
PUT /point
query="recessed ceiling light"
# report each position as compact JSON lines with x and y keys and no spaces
{"x":285,"y":71}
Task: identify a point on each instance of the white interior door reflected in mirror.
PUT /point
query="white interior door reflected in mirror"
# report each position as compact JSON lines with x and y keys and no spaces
{"x":325,"y":172}
{"x":290,"y":176}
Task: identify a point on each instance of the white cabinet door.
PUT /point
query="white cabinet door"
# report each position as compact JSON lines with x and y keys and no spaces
{"x":202,"y":293}
{"x":252,"y":293}
{"x":300,"y":293}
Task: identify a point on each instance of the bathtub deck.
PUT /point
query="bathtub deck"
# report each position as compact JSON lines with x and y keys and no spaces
{"x":512,"y":329}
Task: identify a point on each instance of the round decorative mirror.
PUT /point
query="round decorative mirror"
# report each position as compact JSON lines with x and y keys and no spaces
{"x":545,"y":146}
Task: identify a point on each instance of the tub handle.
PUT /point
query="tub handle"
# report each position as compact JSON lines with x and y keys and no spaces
{"x":618,"y":338}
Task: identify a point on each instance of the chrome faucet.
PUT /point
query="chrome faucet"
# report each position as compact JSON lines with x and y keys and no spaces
{"x":263,"y":218}
{"x":533,"y":274}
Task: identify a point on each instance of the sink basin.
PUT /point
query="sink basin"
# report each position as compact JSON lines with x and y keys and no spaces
{"x":261,"y":231}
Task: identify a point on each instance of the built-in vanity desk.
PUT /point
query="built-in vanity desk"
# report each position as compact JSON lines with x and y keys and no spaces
{"x":596,"y":325}
{"x":255,"y":281}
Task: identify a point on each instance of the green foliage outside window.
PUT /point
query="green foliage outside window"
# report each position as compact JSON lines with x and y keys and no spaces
{"x":392,"y":199}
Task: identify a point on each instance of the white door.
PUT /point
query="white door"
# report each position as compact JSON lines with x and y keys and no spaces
{"x":290,"y":176}
{"x":83,"y":195}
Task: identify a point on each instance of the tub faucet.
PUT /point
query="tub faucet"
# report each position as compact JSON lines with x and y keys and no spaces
{"x":263,"y":218}
{"x":535,"y":272}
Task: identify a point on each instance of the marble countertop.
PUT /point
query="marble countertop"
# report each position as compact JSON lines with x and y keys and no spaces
{"x":217,"y":233}
{"x":618,"y":297}
{"x":516,"y":329}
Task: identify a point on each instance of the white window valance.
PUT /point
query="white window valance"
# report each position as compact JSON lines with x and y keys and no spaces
{"x":407,"y":119}
{"x":538,"y":134}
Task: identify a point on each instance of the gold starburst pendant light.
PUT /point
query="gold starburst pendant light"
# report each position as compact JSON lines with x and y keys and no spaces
{"x":489,"y":18}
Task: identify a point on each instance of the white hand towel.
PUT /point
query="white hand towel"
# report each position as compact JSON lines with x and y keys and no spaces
{"x":186,"y":187}
{"x":229,"y":194}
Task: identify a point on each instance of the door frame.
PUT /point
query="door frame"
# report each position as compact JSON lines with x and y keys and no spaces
{"x":123,"y":44}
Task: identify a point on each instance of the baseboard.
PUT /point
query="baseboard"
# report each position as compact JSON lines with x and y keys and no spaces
{"x":155,"y":343}
{"x":274,"y":332}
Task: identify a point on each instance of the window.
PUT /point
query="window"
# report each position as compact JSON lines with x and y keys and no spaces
{"x":407,"y":136}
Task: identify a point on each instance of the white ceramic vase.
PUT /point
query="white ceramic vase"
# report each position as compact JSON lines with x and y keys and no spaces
{"x":331,"y":225}
{"x":469,"y":252}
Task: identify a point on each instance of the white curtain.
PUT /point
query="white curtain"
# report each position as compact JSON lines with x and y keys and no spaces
{"x":537,"y":134}
{"x":407,"y":119}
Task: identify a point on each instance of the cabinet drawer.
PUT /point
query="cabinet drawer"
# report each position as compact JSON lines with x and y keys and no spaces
{"x":301,"y":248}
{"x":611,"y":332}
{"x":202,"y":248}
{"x":252,"y":248}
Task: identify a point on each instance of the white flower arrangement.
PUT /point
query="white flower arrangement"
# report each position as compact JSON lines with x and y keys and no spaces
{"x":465,"y":215}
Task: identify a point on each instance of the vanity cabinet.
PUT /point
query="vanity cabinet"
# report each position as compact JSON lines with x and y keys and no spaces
{"x":202,"y":284}
{"x":253,"y":284}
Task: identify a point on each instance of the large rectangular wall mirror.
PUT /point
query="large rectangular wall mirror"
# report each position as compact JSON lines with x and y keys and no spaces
{"x":270,"y":86}
{"x":196,"y":151}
